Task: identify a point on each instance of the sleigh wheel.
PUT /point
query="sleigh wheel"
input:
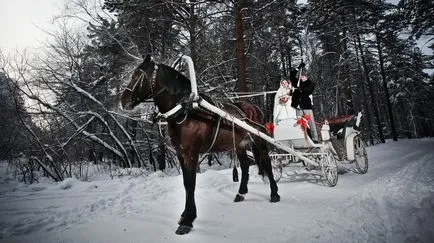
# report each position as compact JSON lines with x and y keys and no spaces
{"x":276,"y":165}
{"x":360,"y":156}
{"x":329,"y":168}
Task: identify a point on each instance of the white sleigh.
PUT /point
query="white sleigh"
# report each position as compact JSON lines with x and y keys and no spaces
{"x":351,"y":149}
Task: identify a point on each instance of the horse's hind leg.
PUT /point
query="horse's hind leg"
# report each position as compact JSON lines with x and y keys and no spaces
{"x":260,"y":147}
{"x":244,"y":164}
{"x":258,"y":162}
{"x":189,"y":214}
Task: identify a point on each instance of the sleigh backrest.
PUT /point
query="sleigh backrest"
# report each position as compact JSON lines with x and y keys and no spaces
{"x":343,"y":126}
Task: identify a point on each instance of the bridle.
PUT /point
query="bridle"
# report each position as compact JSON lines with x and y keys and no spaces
{"x":152,"y":82}
{"x":152,"y":85}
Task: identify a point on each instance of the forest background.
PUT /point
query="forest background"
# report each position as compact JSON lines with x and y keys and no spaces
{"x":59,"y":108}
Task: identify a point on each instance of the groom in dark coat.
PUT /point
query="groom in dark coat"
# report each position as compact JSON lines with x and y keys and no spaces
{"x":301,"y":97}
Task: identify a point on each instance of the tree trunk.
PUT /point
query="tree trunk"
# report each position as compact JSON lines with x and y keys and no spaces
{"x":386,"y":90}
{"x":288,"y":56}
{"x":241,"y":57}
{"x":413,"y":120}
{"x":348,"y":104}
{"x":371,"y":91}
{"x":282,"y":54}
{"x":132,"y":128}
{"x":365,"y":105}
{"x":192,"y":30}
{"x":337,"y":94}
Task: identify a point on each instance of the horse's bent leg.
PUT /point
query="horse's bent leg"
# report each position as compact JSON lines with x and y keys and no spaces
{"x":262,"y":149}
{"x":189,"y":175}
{"x":244,"y":164}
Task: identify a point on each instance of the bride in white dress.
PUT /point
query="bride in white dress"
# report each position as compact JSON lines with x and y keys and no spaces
{"x":282,"y":102}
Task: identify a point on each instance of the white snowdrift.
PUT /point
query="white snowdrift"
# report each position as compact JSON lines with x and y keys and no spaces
{"x":393,"y":202}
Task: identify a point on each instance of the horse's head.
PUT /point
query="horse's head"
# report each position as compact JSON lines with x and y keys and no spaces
{"x":142,"y":84}
{"x":161,"y":82}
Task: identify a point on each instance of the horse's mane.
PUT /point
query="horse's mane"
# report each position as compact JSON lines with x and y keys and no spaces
{"x":174,"y":81}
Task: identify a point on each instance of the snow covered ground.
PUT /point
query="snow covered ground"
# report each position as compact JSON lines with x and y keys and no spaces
{"x":393,"y":202}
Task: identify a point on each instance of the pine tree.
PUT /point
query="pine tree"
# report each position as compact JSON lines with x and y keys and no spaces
{"x":12,"y":114}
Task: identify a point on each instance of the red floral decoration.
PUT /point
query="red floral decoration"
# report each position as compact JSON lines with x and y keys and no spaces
{"x":269,"y":127}
{"x":283,"y":99}
{"x":303,"y":121}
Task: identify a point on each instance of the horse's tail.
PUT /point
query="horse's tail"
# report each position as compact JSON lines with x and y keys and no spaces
{"x":255,"y":117}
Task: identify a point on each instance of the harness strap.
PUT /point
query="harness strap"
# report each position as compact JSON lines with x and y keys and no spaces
{"x":240,"y":112}
{"x":170,"y":113}
{"x":215,"y":132}
{"x":184,"y":103}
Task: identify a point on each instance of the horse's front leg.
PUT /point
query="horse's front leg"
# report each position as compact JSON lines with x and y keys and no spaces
{"x":189,"y":168}
{"x":244,"y":164}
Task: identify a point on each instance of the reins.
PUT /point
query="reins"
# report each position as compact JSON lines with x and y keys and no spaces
{"x":151,"y":80}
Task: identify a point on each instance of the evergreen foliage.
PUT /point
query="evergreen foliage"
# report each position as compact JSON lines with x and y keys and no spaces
{"x":361,"y":55}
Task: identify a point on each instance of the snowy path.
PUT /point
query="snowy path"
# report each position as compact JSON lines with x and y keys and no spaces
{"x":393,"y":202}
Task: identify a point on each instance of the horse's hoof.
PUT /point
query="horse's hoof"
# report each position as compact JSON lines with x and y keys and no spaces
{"x":275,"y":198}
{"x":183,"y":229}
{"x":239,"y":198}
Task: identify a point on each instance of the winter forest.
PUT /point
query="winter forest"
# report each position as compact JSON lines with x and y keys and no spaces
{"x":59,"y":108}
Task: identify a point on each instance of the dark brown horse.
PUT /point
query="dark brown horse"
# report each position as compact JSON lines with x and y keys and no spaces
{"x":196,"y":131}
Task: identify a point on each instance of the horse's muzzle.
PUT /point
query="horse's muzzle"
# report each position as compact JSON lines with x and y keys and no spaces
{"x":126,"y":101}
{"x":126,"y":106}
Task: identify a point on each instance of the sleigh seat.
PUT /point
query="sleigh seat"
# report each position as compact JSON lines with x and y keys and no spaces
{"x":287,"y":131}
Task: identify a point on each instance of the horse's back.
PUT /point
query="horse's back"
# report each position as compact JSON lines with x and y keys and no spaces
{"x":251,"y":111}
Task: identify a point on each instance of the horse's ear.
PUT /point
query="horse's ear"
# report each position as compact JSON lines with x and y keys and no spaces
{"x":147,"y":58}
